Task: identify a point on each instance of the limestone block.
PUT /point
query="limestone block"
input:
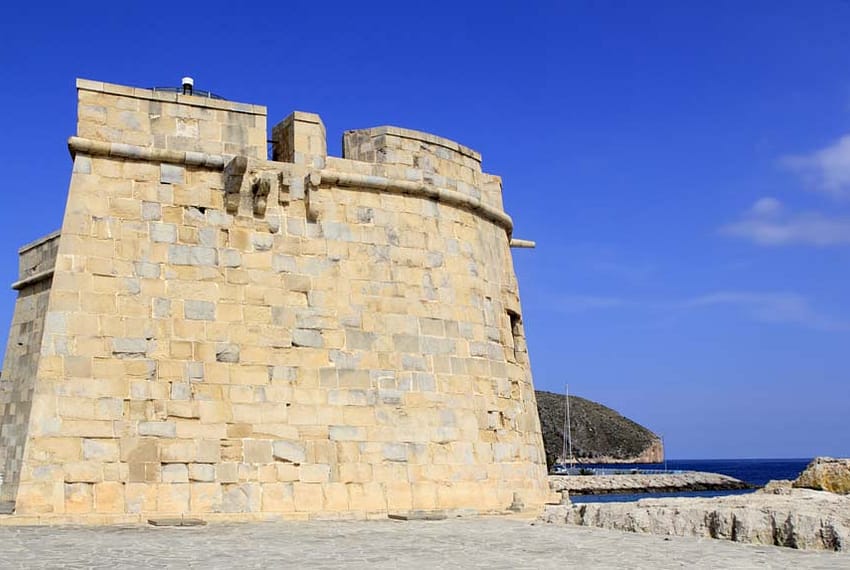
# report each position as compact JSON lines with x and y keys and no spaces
{"x":163,"y":232}
{"x":241,"y":498}
{"x":172,"y":174}
{"x":205,"y":497}
{"x":208,"y":451}
{"x":173,"y":498}
{"x":56,"y":449}
{"x":368,"y":497}
{"x":308,"y":497}
{"x":158,"y":429}
{"x":257,"y":451}
{"x":79,"y":498}
{"x":175,"y":473}
{"x":140,"y":498}
{"x":109,"y":497}
{"x":395,"y":452}
{"x":277,"y":497}
{"x":139,"y":450}
{"x":287,"y":471}
{"x":178,"y":451}
{"x":307,"y":338}
{"x":230,"y":258}
{"x":100,"y":450}
{"x":192,"y":255}
{"x":83,"y":472}
{"x":315,"y":473}
{"x":335,"y":497}
{"x":199,"y":310}
{"x":347,"y":433}
{"x":129,"y":347}
{"x":227,"y":472}
{"x":399,"y":496}
{"x":289,"y":451}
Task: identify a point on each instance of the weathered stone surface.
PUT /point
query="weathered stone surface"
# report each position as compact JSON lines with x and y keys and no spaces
{"x":826,"y":474}
{"x":227,"y":353}
{"x":488,"y":542}
{"x":637,"y":483}
{"x":171,"y":174}
{"x":288,"y":451}
{"x":802,"y":519}
{"x":199,"y":310}
{"x":314,"y":344}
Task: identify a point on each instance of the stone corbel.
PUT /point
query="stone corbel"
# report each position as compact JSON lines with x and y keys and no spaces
{"x":260,"y":188}
{"x":311,"y":187}
{"x":234,"y":174}
{"x":283,"y":185}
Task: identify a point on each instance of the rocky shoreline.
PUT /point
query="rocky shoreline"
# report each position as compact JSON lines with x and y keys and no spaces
{"x":811,"y":513}
{"x":645,"y":483}
{"x":802,"y":518}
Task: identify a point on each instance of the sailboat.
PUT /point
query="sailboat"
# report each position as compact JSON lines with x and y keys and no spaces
{"x":567,"y":449}
{"x":568,"y":435}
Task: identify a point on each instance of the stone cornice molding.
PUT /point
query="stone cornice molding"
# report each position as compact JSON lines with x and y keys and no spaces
{"x":152,"y":154}
{"x":315,"y":178}
{"x":318,"y":178}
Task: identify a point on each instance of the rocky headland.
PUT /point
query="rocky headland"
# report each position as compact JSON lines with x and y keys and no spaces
{"x":599,"y":434}
{"x":784,"y":513}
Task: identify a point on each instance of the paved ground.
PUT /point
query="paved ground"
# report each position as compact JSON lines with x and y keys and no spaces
{"x":455,"y":544}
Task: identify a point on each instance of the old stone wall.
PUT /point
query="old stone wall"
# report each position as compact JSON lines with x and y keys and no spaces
{"x":309,"y":336}
{"x":36,"y":261}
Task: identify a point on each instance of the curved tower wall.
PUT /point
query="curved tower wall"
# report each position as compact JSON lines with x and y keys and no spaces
{"x":237,"y":337}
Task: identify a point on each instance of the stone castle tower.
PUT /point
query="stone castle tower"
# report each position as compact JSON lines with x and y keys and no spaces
{"x":219,"y":334}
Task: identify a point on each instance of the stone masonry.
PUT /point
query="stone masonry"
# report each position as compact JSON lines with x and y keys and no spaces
{"x":216,"y":334}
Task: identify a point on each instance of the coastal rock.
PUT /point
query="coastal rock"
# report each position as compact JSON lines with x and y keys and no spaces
{"x":777,"y":487}
{"x":803,"y":519}
{"x":599,"y":434}
{"x":826,"y":474}
{"x":644,"y":483}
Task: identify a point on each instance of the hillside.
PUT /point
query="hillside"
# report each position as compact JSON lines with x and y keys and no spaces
{"x":599,"y":434}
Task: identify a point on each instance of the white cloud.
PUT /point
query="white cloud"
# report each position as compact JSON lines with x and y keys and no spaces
{"x":580,"y":303}
{"x":787,"y":308}
{"x":768,"y":223}
{"x":767,"y":207}
{"x":772,"y":308}
{"x":826,"y":170}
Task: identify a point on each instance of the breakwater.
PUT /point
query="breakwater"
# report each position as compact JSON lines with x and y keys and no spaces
{"x":644,"y":483}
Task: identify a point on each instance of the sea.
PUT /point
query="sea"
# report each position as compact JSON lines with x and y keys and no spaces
{"x":756,"y":472}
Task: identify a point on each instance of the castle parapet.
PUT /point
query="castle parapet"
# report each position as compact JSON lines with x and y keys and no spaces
{"x":423,"y":151}
{"x":168,"y":120}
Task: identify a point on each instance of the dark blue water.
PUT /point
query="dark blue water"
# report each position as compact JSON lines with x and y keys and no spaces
{"x":753,"y":471}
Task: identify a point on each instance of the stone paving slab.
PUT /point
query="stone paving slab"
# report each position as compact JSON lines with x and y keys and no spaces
{"x":454,"y":543}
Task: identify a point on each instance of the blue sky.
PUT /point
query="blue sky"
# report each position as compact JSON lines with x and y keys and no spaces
{"x":683,"y":166}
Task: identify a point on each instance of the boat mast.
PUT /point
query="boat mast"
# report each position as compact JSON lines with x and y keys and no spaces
{"x":568,"y":436}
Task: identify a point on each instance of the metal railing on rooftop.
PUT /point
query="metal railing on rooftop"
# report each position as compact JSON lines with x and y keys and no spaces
{"x":195,"y":92}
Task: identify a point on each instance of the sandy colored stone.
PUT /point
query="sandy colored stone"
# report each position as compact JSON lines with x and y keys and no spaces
{"x":226,"y":334}
{"x":826,"y":474}
{"x":803,"y":518}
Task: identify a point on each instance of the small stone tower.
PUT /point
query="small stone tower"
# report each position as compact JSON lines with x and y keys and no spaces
{"x":219,"y":334}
